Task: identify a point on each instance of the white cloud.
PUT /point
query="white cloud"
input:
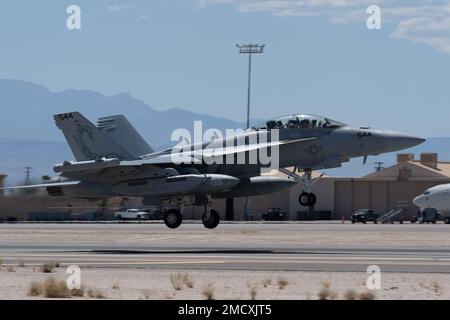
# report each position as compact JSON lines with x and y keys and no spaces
{"x":424,"y":30}
{"x":419,"y":21}
{"x":119,"y":7}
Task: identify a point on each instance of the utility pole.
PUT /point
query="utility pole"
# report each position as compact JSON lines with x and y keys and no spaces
{"x":249,"y":49}
{"x":27,"y":175}
{"x":378,"y":166}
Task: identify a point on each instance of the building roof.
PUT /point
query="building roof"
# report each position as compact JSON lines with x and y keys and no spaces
{"x":414,"y":170}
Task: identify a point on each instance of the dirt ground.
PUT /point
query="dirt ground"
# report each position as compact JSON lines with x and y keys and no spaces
{"x":118,"y":283}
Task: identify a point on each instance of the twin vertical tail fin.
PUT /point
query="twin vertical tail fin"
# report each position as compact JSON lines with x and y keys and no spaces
{"x":120,"y":130}
{"x":89,"y":142}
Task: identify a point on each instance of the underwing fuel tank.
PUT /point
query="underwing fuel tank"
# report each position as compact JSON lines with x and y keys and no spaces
{"x":177,"y":185}
{"x":257,"y":186}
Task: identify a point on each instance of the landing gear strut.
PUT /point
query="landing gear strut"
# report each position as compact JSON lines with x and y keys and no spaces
{"x":173,"y":218}
{"x":211,"y":218}
{"x":307,"y":198}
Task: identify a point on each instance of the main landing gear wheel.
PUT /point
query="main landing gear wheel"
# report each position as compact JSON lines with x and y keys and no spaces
{"x":173,"y":219}
{"x":307,"y":199}
{"x":213,"y":220}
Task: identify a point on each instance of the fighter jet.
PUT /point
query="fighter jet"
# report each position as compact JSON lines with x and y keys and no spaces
{"x":113,"y":160}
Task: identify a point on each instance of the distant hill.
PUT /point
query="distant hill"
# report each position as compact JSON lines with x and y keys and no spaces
{"x":27,"y":109}
{"x":29,"y":136}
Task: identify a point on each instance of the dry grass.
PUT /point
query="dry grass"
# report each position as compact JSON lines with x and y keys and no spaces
{"x":146,"y":293}
{"x":267,"y":282}
{"x":208,"y":291}
{"x":433,"y":286}
{"x":188,"y":281}
{"x":49,"y":267}
{"x":53,"y":288}
{"x":116,"y":285}
{"x":325,"y":292}
{"x":179,"y":280}
{"x":326,"y":284}
{"x":10,"y":269}
{"x":436,"y":287}
{"x":77,"y":292}
{"x":176,"y":279}
{"x":350,"y":295}
{"x":367,"y":295}
{"x":253,"y":290}
{"x":35,"y":289}
{"x":282,"y":283}
{"x":95,"y":294}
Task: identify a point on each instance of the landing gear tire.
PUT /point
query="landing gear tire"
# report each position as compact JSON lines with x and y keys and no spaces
{"x":307,"y":199}
{"x":173,"y":219}
{"x":447,"y":220}
{"x":312,"y":199}
{"x":214,"y":220}
{"x":304,"y":199}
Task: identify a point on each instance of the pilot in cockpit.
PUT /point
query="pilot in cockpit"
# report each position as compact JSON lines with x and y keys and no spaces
{"x":304,"y":123}
{"x":293,"y":123}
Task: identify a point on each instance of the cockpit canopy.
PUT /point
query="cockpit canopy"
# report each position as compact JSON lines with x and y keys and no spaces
{"x":300,"y":121}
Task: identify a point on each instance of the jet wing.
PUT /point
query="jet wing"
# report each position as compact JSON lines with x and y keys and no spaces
{"x":157,"y":165}
{"x":196,"y":156}
{"x":44,"y":185}
{"x":218,"y":152}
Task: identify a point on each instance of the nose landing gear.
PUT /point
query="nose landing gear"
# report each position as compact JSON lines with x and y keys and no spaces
{"x":307,"y":199}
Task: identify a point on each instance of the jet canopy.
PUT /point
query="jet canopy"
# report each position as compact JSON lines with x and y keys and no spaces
{"x":300,"y":121}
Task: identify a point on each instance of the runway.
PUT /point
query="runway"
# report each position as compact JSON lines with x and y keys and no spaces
{"x":264,"y":247}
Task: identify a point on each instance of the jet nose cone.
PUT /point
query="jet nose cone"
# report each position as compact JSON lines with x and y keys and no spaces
{"x":419,"y":201}
{"x":398,"y":141}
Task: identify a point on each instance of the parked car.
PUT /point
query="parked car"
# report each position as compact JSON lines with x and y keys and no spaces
{"x":365,"y":215}
{"x":274,"y":214}
{"x":154,"y":214}
{"x":131,"y":214}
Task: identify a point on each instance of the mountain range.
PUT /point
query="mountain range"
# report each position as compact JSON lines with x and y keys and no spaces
{"x":28,"y":136}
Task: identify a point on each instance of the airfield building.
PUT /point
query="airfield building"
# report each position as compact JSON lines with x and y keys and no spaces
{"x":381,"y":191}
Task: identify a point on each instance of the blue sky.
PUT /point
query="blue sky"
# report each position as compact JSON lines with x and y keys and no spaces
{"x":320,"y":57}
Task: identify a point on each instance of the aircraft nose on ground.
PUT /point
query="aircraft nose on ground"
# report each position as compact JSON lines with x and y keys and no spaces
{"x":399,"y":141}
{"x":420,"y":201}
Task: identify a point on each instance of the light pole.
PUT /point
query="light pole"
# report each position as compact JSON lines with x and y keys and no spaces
{"x":249,"y":49}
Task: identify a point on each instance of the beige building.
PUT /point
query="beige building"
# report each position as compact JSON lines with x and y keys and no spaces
{"x":383,"y":190}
